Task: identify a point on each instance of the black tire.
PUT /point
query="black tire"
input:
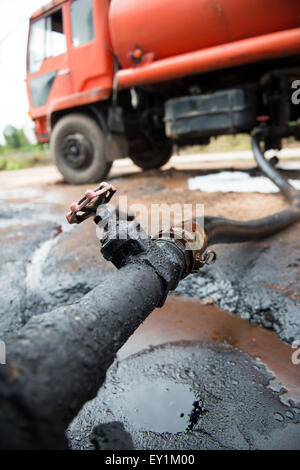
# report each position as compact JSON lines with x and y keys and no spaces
{"x":78,"y":149}
{"x":152,"y":158}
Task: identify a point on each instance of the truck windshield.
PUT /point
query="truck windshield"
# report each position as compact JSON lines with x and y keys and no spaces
{"x":47,"y":39}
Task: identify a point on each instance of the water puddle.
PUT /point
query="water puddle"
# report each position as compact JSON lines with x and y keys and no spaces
{"x":185,"y":319}
{"x":164,"y":406}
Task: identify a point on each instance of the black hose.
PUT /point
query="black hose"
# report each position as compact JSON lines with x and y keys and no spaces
{"x":221,"y":230}
{"x":270,"y":171}
{"x":59,"y":359}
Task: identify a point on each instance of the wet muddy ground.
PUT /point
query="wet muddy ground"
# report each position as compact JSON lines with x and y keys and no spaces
{"x":213,"y":368}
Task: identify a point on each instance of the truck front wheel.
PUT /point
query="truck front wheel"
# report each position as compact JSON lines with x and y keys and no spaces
{"x":151,"y":158}
{"x":78,"y":149}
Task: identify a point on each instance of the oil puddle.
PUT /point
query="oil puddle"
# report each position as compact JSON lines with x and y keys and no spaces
{"x":164,"y":406}
{"x":184,"y":319}
{"x":190,"y":395}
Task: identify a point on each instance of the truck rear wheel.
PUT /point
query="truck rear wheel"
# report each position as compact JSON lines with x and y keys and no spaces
{"x":152,"y":158}
{"x":78,"y":149}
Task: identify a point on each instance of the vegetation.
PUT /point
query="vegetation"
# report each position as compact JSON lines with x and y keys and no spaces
{"x":17,"y":153}
{"x":233,"y":143}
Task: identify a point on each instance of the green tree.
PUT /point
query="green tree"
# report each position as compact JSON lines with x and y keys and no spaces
{"x":14,"y":138}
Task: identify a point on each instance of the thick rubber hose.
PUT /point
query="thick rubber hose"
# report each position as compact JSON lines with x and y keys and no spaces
{"x":59,"y":359}
{"x":270,"y":171}
{"x":221,"y":230}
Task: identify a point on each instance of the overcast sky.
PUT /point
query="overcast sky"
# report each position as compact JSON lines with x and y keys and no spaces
{"x":14,"y":16}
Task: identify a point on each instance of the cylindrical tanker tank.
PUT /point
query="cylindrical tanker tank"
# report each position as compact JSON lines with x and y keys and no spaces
{"x":167,"y":28}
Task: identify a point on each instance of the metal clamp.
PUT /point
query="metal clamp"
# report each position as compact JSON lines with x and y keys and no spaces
{"x":193,"y":238}
{"x":208,"y":257}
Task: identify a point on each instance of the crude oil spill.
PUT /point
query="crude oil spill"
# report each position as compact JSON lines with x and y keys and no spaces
{"x":198,"y":411}
{"x":190,"y":395}
{"x":162,"y":406}
{"x":190,"y":320}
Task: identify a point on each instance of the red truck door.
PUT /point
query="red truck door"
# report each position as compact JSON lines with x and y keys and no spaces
{"x":89,"y":43}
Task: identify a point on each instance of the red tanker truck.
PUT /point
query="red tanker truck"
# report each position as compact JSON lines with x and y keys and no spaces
{"x":112,"y":78}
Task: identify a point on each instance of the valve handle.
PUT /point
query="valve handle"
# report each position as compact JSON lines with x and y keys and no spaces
{"x":87,"y":206}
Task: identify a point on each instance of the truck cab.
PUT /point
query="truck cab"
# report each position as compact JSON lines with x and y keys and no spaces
{"x":69,"y":67}
{"x":68,"y":61}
